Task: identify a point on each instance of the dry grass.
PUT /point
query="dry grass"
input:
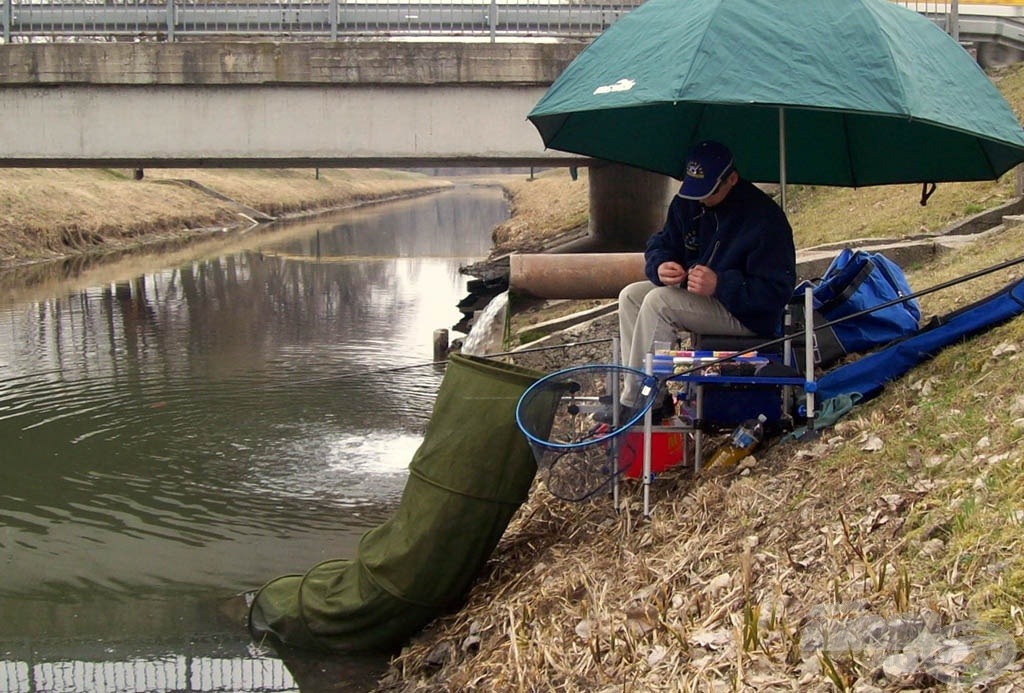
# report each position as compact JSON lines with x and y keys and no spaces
{"x":543,"y":209}
{"x":830,"y":215}
{"x":280,"y":192}
{"x":719,"y":590}
{"x":51,"y":213}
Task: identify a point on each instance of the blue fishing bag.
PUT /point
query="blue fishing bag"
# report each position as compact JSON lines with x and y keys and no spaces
{"x":857,"y":281}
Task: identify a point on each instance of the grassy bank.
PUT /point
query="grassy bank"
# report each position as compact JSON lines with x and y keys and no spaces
{"x":908,"y":511}
{"x":53,"y":213}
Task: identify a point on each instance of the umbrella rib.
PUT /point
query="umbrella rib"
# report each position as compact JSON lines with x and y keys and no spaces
{"x":985,"y":155}
{"x":892,"y":66}
{"x":704,"y":37}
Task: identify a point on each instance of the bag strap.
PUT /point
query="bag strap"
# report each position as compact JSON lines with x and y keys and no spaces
{"x":850,"y":289}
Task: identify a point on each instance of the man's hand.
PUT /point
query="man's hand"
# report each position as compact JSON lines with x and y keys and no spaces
{"x":701,"y":280}
{"x":671,"y":273}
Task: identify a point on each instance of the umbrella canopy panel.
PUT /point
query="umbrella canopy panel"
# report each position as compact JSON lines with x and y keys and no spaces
{"x":872,"y":93}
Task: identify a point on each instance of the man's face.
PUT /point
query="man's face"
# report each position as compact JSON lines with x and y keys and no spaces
{"x":722,"y":190}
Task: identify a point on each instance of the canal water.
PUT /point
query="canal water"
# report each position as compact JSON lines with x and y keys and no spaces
{"x":178,"y":429}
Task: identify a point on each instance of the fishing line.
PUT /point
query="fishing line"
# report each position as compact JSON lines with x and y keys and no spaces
{"x":759,"y":347}
{"x":397,"y":369}
{"x":866,"y":311}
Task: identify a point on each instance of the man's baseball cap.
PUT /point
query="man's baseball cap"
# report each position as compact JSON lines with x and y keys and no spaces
{"x":706,"y":164}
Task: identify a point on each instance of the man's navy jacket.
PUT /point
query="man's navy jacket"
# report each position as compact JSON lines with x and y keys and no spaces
{"x":746,"y":239}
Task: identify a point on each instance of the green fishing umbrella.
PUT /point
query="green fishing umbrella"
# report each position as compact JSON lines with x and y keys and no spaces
{"x":823,"y":92}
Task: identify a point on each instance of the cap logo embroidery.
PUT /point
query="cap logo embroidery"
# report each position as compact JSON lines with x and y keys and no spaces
{"x":694,"y":170}
{"x":622,"y":85}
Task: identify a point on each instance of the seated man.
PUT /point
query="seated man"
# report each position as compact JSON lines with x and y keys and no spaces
{"x":724,"y":263}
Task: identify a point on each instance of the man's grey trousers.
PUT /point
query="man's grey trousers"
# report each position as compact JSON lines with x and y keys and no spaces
{"x":650,"y":313}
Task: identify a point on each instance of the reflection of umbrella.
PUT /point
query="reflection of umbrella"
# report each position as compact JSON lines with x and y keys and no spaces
{"x":827,"y":92}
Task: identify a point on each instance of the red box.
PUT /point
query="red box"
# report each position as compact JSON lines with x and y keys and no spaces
{"x":667,"y":450}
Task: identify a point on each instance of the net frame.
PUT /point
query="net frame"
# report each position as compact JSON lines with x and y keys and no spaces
{"x":578,"y":456}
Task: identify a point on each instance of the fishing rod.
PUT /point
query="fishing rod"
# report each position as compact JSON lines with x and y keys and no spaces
{"x":860,"y":313}
{"x":397,"y":369}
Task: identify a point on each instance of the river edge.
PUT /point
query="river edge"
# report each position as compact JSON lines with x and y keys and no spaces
{"x":182,"y":237}
{"x":62,"y":215}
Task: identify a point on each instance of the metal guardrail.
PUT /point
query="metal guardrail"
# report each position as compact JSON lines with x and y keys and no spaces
{"x":28,"y":20}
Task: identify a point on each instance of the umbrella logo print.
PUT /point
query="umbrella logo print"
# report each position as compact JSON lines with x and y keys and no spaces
{"x":622,"y":85}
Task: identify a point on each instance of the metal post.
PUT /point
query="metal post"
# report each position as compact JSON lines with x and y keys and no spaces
{"x":787,"y":360}
{"x":333,"y":16}
{"x":170,"y":20}
{"x":648,"y":422}
{"x":616,"y":358}
{"x":7,"y":21}
{"x":698,"y":434}
{"x":809,"y":352}
{"x":493,"y":20}
{"x":954,"y":20}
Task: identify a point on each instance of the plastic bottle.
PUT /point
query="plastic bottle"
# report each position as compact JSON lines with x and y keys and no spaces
{"x":743,"y":439}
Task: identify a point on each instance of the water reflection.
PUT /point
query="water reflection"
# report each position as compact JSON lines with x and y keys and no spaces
{"x":153,"y":675}
{"x":174,"y":437}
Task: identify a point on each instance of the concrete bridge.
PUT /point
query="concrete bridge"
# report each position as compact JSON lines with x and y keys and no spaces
{"x":245,"y":104}
{"x":314,"y":104}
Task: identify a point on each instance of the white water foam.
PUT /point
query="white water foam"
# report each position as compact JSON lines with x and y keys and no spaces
{"x":488,"y":331}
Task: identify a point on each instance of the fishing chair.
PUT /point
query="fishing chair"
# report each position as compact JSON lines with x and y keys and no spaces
{"x":719,"y":401}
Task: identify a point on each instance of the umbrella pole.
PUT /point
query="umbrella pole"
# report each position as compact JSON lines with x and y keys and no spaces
{"x":782,"y":156}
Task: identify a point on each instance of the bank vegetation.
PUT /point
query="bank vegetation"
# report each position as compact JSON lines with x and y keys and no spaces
{"x":884,"y":555}
{"x":56,"y":213}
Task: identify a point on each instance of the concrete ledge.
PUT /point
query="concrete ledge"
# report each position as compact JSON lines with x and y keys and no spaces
{"x":557,"y":324}
{"x":812,"y":263}
{"x":274,"y":63}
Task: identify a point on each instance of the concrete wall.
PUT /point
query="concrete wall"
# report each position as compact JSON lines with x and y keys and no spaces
{"x":261,"y":103}
{"x":267,"y":62}
{"x":271,"y":126}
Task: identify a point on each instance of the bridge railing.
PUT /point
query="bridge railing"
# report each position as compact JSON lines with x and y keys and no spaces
{"x":170,"y":20}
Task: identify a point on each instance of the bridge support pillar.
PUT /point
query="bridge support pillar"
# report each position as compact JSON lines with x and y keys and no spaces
{"x":991,"y":54}
{"x":627,"y":205}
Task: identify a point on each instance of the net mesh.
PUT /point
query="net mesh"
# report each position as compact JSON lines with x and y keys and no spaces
{"x":579,"y":456}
